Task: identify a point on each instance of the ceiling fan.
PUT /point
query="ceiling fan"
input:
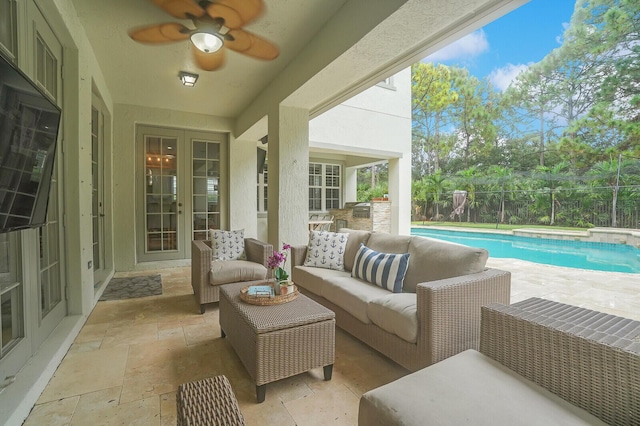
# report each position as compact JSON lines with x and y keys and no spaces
{"x":218,"y":24}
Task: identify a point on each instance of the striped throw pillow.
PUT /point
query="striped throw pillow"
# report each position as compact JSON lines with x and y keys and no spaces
{"x":382,"y":269}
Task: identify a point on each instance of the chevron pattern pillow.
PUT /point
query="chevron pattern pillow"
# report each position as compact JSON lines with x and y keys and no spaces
{"x":227,"y":245}
{"x":382,"y":269}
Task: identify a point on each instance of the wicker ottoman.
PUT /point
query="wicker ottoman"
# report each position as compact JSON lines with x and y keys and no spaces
{"x":208,"y":402}
{"x":278,"y":341}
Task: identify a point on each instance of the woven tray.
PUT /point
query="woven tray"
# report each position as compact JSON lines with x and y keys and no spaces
{"x":265,"y":301}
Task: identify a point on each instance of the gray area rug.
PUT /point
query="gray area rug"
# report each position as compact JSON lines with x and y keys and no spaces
{"x":130,"y":287}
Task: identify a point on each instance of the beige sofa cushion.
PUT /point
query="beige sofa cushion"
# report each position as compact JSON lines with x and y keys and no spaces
{"x":396,"y":314}
{"x":468,"y":388}
{"x":353,"y":244}
{"x":436,"y":260}
{"x":387,"y":243}
{"x":233,"y":271}
{"x":352,"y":295}
{"x":312,"y":279}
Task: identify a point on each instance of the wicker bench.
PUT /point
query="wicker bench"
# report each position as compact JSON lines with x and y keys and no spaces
{"x":208,"y":402}
{"x":540,"y":362}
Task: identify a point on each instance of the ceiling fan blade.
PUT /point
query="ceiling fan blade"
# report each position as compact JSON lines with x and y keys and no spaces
{"x":183,"y":9}
{"x":250,"y":44}
{"x":236,"y":13}
{"x":208,"y":61}
{"x":160,"y":33}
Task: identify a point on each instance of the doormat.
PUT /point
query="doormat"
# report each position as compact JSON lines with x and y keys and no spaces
{"x":131,"y":287}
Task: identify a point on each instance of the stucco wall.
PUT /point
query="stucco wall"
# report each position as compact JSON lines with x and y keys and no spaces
{"x":378,"y":119}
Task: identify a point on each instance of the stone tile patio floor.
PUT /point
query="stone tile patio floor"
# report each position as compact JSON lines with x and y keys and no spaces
{"x":127,"y":362}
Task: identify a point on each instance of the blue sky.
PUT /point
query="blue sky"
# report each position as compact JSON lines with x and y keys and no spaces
{"x":508,"y":45}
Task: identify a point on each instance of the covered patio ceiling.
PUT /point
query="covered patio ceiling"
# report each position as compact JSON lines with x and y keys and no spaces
{"x":330,"y":50}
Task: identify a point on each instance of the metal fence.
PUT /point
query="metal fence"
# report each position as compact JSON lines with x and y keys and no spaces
{"x":579,"y":211}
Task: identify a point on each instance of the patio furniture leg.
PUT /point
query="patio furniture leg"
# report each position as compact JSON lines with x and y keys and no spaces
{"x":328,"y":371}
{"x":203,"y":308}
{"x":261,"y":392}
{"x":222,"y":333}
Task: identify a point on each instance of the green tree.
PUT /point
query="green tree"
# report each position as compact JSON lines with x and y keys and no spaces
{"x":467,"y":182}
{"x":531,"y":93}
{"x":435,"y":185}
{"x":611,"y":174}
{"x":431,"y":95}
{"x":503,"y":184}
{"x":473,"y":114}
{"x":553,"y":179}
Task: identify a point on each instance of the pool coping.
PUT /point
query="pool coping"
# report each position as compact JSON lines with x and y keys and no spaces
{"x":629,"y":237}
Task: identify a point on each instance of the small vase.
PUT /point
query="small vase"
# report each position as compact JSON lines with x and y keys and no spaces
{"x":286,"y":287}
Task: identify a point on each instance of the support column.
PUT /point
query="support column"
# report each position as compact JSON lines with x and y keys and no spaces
{"x":242,"y":185}
{"x":400,"y":195}
{"x":350,"y":184}
{"x":288,"y":214}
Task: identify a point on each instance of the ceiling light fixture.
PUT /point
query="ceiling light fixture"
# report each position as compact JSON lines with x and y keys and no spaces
{"x":207,"y":41}
{"x":188,"y":79}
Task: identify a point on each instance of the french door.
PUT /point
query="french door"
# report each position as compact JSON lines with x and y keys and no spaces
{"x":32,"y":263}
{"x":182,"y":182}
{"x":101,"y":260}
{"x":52,"y":306}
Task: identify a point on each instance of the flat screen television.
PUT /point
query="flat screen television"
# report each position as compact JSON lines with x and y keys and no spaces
{"x":29,"y":123}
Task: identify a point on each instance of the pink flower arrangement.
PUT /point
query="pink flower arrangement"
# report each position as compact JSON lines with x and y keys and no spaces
{"x":279,"y":258}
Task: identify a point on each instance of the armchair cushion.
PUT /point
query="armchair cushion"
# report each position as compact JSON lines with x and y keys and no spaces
{"x":232,"y":271}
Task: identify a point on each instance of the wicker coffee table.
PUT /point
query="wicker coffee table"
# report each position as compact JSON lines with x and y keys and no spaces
{"x":277,"y":341}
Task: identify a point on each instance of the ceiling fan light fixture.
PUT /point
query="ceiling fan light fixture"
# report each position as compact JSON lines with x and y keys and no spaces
{"x":188,"y":79}
{"x":207,"y":42}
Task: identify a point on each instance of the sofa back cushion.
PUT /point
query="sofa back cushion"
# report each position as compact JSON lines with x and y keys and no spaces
{"x":387,"y":243}
{"x":353,"y":244}
{"x":433,"y":259}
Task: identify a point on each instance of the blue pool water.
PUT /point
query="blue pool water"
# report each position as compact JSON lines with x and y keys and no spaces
{"x":573,"y":254}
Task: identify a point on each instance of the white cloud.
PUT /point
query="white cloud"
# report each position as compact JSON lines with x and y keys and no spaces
{"x":467,"y":47}
{"x":502,"y":77}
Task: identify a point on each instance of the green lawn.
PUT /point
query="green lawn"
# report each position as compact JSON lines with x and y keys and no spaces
{"x":502,"y":226}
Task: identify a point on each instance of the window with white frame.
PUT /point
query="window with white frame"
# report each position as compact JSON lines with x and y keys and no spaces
{"x":325,"y":187}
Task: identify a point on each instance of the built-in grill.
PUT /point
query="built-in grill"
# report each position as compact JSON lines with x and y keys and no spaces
{"x":362,"y":210}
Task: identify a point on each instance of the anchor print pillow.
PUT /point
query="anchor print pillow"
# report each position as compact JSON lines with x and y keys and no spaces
{"x":326,"y":250}
{"x":227,"y":245}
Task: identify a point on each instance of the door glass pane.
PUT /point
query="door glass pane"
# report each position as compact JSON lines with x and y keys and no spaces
{"x":161,"y":193}
{"x":11,"y":290}
{"x":11,"y":318}
{"x":205,"y":188}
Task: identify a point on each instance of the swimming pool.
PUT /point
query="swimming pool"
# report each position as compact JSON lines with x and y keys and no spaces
{"x":573,"y":254}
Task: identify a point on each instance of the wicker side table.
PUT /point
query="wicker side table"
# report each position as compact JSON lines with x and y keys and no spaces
{"x":278,"y":341}
{"x":208,"y":402}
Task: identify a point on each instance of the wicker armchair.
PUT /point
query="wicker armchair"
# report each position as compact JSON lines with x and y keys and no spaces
{"x":206,"y":288}
{"x":540,"y":362}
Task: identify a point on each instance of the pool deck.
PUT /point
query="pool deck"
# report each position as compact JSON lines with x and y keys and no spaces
{"x":615,"y":293}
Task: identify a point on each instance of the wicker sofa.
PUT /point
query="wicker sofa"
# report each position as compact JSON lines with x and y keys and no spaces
{"x":207,"y":275}
{"x":540,"y":363}
{"x":436,"y":316}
